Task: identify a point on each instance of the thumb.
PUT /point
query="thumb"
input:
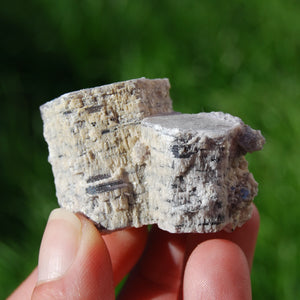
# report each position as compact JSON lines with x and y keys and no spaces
{"x":74,"y":262}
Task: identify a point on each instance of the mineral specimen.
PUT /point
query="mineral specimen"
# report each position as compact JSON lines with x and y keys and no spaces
{"x":123,"y":158}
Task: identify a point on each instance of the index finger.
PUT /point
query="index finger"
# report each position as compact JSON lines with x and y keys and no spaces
{"x":160,"y":269}
{"x":245,"y":237}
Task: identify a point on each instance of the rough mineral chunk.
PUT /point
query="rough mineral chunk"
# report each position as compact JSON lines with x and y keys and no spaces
{"x":122,"y":157}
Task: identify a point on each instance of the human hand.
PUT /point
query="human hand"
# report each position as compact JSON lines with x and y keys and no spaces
{"x":195,"y":266}
{"x":76,"y":262}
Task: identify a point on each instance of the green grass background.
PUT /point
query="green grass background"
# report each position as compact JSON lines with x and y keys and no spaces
{"x":241,"y":57}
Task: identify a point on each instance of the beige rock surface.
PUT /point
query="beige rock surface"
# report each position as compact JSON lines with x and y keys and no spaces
{"x":122,"y":157}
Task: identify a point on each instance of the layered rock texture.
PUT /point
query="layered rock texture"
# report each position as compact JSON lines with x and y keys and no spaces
{"x":122,"y":157}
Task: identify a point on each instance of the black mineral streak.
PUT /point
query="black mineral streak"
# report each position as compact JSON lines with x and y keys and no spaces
{"x":67,"y":112}
{"x":105,"y":131}
{"x":97,"y":178}
{"x":94,"y":109}
{"x":104,"y":187}
{"x":182,"y":151}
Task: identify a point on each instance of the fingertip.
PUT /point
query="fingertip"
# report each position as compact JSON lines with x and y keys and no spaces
{"x":246,"y":236}
{"x":158,"y":275}
{"x":59,"y":245}
{"x":127,"y":235}
{"x":93,"y":265}
{"x":125,"y":248}
{"x":217,"y":269}
{"x":89,"y":275}
{"x":255,"y":219}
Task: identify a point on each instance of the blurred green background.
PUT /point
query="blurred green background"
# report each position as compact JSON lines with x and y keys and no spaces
{"x":241,"y":57}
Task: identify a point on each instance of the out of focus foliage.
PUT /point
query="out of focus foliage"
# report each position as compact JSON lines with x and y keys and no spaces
{"x":241,"y":57}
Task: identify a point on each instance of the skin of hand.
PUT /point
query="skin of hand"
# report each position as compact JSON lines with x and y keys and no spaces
{"x":77,"y":262}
